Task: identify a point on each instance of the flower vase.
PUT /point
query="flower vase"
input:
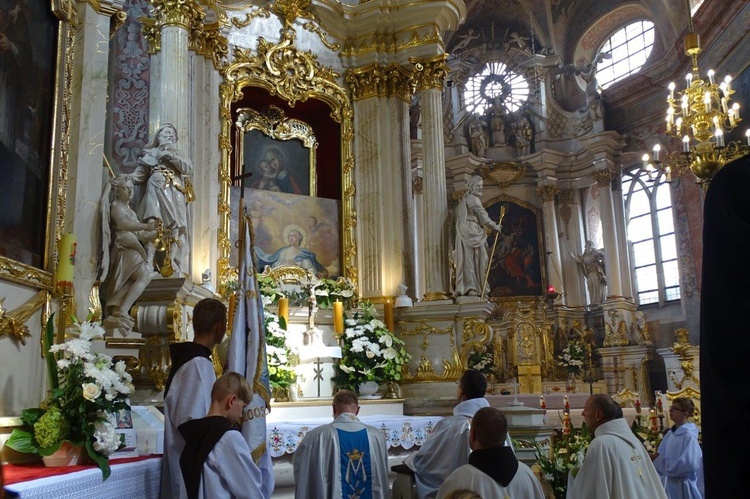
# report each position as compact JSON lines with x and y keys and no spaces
{"x":570,"y":383}
{"x":67,"y":455}
{"x":368,"y":389}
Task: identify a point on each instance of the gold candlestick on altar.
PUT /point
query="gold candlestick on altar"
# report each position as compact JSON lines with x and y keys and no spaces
{"x":388,"y":314}
{"x":284,"y":311}
{"x":338,"y":319}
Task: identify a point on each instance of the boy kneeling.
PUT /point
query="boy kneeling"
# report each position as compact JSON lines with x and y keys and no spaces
{"x":216,"y":461}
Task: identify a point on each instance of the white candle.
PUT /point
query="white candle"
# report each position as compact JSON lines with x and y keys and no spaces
{"x":711,"y":76}
{"x":684,"y":104}
{"x":747,"y":134}
{"x":645,"y":157}
{"x":657,"y":149}
{"x":719,"y":138}
{"x":728,"y":81}
{"x":686,"y":143}
{"x":689,"y":78}
{"x":671,"y":90}
{"x":678,"y":124}
{"x":707,"y":100}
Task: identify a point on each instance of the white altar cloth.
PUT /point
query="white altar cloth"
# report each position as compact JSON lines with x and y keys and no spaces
{"x":139,"y":479}
{"x":399,"y":431}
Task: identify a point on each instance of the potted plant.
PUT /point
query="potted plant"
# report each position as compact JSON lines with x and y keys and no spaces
{"x":86,"y":390}
{"x":371,"y":354}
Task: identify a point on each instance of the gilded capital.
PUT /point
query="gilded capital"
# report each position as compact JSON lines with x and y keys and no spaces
{"x":547,"y":192}
{"x":375,"y":80}
{"x":207,"y":40}
{"x":430,"y":73}
{"x":604,"y":178}
{"x":182,"y":13}
{"x":151,"y":33}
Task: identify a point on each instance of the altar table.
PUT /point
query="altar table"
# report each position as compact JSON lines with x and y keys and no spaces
{"x":402,"y":432}
{"x":139,"y":479}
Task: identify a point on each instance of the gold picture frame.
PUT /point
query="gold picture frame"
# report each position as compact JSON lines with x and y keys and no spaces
{"x":62,"y":26}
{"x":295,"y":76}
{"x":277,"y":135}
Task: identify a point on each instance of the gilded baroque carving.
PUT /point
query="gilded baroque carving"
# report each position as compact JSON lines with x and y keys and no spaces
{"x":249,"y":16}
{"x":375,"y":80}
{"x":152,"y":34}
{"x":294,"y":76}
{"x":208,"y":40}
{"x":452,"y":368}
{"x":182,"y":13}
{"x":547,"y":192}
{"x":430,"y":73}
{"x":503,"y":173}
{"x":682,"y":348}
{"x":314,"y":28}
{"x":614,"y":338}
{"x":413,"y":36}
{"x":604,"y":178}
{"x":12,"y":322}
{"x":566,"y":197}
{"x":291,"y":10}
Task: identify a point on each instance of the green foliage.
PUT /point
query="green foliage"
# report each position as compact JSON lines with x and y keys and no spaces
{"x":369,"y":351}
{"x":281,"y":358}
{"x":650,"y":439}
{"x":86,"y":389}
{"x":565,"y":454}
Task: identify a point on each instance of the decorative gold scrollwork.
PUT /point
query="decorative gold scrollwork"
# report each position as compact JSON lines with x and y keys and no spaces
{"x":12,"y":322}
{"x":430,"y":73}
{"x":294,"y":76}
{"x":452,"y":368}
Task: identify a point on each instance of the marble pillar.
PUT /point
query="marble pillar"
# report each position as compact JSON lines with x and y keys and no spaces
{"x":547,"y":191}
{"x":611,"y":248}
{"x":87,"y":173}
{"x":173,"y":88}
{"x":434,"y":196}
{"x":571,"y":228}
{"x":382,"y":148}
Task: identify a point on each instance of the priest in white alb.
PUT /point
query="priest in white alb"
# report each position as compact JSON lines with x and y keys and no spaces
{"x":447,"y":447}
{"x":493,"y":469}
{"x":617,"y":465}
{"x":343,"y":459}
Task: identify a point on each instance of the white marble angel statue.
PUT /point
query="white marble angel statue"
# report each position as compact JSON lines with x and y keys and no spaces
{"x":123,"y":268}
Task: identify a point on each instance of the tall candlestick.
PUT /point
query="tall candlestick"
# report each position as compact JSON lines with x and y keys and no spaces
{"x":388,"y":314}
{"x":284,"y":311}
{"x":66,"y":263}
{"x":338,"y":318}
{"x":230,"y":313}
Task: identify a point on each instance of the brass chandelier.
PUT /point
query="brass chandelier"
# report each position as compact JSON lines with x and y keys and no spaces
{"x":701,"y":117}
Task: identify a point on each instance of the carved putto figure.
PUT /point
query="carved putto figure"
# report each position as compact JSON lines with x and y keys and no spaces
{"x":123,"y":265}
{"x":591,"y":262}
{"x":470,"y":253}
{"x":165,"y":172}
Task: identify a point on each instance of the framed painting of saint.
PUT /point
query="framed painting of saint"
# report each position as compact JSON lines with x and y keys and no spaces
{"x":276,"y":153}
{"x":516,"y":266}
{"x":29,"y":56}
{"x":290,"y":229}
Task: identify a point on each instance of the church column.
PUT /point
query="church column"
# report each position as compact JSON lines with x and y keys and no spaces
{"x":430,"y":75}
{"x":88,"y":114}
{"x":618,"y":203}
{"x":170,"y":87}
{"x":547,"y":191}
{"x":381,"y":143}
{"x":571,"y":217}
{"x":210,"y":47}
{"x":611,"y":253}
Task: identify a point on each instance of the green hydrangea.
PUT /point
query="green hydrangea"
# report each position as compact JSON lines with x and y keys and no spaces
{"x":51,"y":428}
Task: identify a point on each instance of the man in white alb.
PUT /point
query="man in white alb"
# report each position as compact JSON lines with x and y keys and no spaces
{"x":617,"y":465}
{"x":447,"y":447}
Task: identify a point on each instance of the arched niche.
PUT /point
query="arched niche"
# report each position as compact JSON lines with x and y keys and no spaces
{"x":282,"y":75}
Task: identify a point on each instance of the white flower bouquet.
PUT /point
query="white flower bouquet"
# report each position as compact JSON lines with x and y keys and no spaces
{"x":86,"y":389}
{"x":370,"y":352}
{"x":572,"y":357}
